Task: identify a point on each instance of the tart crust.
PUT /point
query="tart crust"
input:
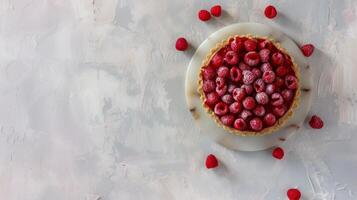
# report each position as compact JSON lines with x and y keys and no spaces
{"x":281,"y":121}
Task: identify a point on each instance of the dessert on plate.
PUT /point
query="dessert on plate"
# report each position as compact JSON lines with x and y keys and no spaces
{"x":249,"y":85}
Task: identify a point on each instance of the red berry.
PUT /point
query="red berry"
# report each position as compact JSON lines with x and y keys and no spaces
{"x":277,"y":58}
{"x":264,"y":55}
{"x":208,"y":73}
{"x":211,"y":161}
{"x":216,"y":10}
{"x":278,"y":153}
{"x":256,"y":124}
{"x":240,"y":124}
{"x":276,"y":99}
{"x":278,"y":82}
{"x":235,"y":108}
{"x":293,"y":194}
{"x":242,"y":66}
{"x":291,"y":82}
{"x":208,"y":86}
{"x":221,"y":90}
{"x":236,"y":74}
{"x":248,"y":88}
{"x":228,"y":99}
{"x":269,"y":119}
{"x":231,"y":58}
{"x":268,"y":76}
{"x":250,"y":45}
{"x":220,"y":82}
{"x":270,"y":89}
{"x":279,"y":110}
{"x":204,"y":15}
{"x":227,"y":120}
{"x":270,"y":12}
{"x":287,"y":94}
{"x":252,"y":58}
{"x":223,"y":72}
{"x":259,"y":111}
{"x":282,"y":71}
{"x":249,"y":103}
{"x":231,"y":87}
{"x":239,"y":94}
{"x":237,"y":45}
{"x":307,"y":49}
{"x":265,"y":44}
{"x":217,"y":60}
{"x":245,"y":114}
{"x":221,"y":109}
{"x":316,"y":122}
{"x":262,"y":98}
{"x":212,"y":98}
{"x":266,"y":67}
{"x":259,"y":85}
{"x":248,"y":77}
{"x":181,"y":44}
{"x":257,"y":72}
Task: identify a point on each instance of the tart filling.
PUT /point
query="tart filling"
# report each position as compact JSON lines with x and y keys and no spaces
{"x":249,"y":85}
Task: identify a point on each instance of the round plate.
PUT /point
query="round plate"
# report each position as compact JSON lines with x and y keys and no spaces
{"x":207,"y":124}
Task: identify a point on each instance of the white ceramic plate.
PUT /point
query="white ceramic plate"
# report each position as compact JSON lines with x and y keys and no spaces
{"x":204,"y":121}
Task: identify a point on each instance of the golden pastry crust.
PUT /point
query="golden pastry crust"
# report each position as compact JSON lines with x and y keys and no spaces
{"x":281,"y":121}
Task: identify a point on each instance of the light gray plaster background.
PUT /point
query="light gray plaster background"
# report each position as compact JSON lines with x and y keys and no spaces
{"x":92,"y":103}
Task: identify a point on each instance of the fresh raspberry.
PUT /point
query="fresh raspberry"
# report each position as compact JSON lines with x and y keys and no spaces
{"x":268,"y":76}
{"x":235,"y":107}
{"x":250,"y":45}
{"x":227,"y":120}
{"x":277,"y":58}
{"x":221,"y":109}
{"x":276,"y":99}
{"x":269,"y":119}
{"x":256,"y":124}
{"x":249,"y":103}
{"x":239,"y":94}
{"x":231,"y":87}
{"x":208,"y":86}
{"x":181,"y":44}
{"x":259,"y":85}
{"x":252,"y":58}
{"x":221,"y":90}
{"x":264,"y":55}
{"x":211,"y":161}
{"x":208,"y":73}
{"x":266,"y":67}
{"x":278,"y":82}
{"x":223,"y":72}
{"x":240,"y":124}
{"x":287,"y":94}
{"x":231,"y":58}
{"x":293,"y":194}
{"x":307,"y":49}
{"x":217,"y":60}
{"x":270,"y":12}
{"x":257,"y":72}
{"x":237,"y":45}
{"x":316,"y":122}
{"x":245,"y":114}
{"x":270,"y":89}
{"x":259,"y":111}
{"x":279,"y":110}
{"x":216,"y":10}
{"x":204,"y":15}
{"x":248,"y":77}
{"x":212,"y":98}
{"x":228,"y":99}
{"x":220,"y":82}
{"x":236,"y":74}
{"x":262,"y":98}
{"x":242,"y":66}
{"x":265,"y":44}
{"x":278,"y":153}
{"x":291,"y":82}
{"x":248,"y":88}
{"x":281,"y":71}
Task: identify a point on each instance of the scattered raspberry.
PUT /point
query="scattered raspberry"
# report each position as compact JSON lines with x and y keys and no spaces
{"x":316,"y":122}
{"x":270,"y":89}
{"x":236,"y":74}
{"x":221,"y":109}
{"x":211,"y":161}
{"x":270,"y":12}
{"x":276,"y":99}
{"x":278,"y":153}
{"x":216,"y":10}
{"x":268,"y":76}
{"x":217,"y":60}
{"x":291,"y":82}
{"x":264,"y":55}
{"x":245,"y":114}
{"x":259,"y":85}
{"x":249,"y":103}
{"x":250,"y":45}
{"x":282,"y":71}
{"x":307,"y":49}
{"x":231,"y":58}
{"x":240,"y":124}
{"x":228,"y":99}
{"x":269,"y":119}
{"x":227,"y":120}
{"x":212,"y":98}
{"x":259,"y":111}
{"x":221,"y":90}
{"x":223,"y":72}
{"x":266,"y":67}
{"x":279,"y":110}
{"x":181,"y":44}
{"x":239,"y":94}
{"x":256,"y":124}
{"x":257,"y":72}
{"x":293,"y":194}
{"x":262,"y":98}
{"x":208,"y":73}
{"x":248,"y":77}
{"x":277,"y":58}
{"x":252,"y":58}
{"x":204,"y":15}
{"x":235,"y":108}
{"x":208,"y":86}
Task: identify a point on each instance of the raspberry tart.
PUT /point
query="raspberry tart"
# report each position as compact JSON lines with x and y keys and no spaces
{"x":249,"y":85}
